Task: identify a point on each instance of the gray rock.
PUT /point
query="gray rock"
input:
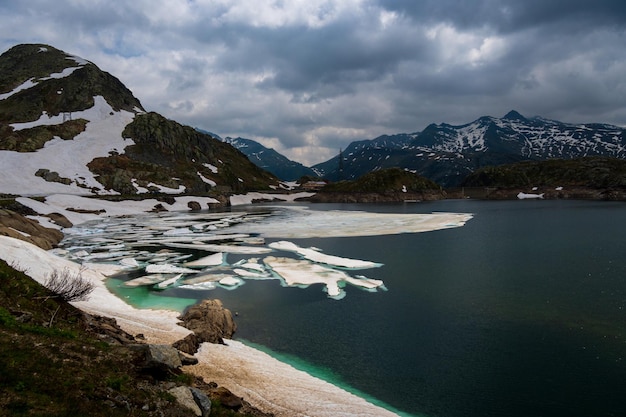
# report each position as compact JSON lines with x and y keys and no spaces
{"x":202,"y":400}
{"x":186,"y":399}
{"x":161,"y":357}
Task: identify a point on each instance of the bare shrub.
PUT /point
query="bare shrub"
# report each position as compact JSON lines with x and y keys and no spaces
{"x":69,"y":286}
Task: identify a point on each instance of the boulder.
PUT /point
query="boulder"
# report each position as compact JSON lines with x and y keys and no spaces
{"x":158,"y":208}
{"x":202,"y":400}
{"x":209,"y":321}
{"x":194,"y":206}
{"x":59,"y":219}
{"x":189,"y":344}
{"x":185,"y":398}
{"x":160,"y":358}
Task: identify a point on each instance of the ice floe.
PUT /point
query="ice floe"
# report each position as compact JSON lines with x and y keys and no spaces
{"x":313,"y":254}
{"x":191,"y":250}
{"x":211,"y":260}
{"x":302,"y":272}
{"x":529,"y":196}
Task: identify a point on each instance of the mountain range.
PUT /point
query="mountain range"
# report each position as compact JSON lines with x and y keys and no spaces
{"x":68,"y":127}
{"x":447,"y":154}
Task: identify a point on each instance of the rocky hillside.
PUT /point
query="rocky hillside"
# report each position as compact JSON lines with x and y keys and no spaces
{"x":167,"y":154}
{"x":68,"y":127}
{"x":386,"y":185}
{"x":446,"y":154}
{"x":50,"y":353}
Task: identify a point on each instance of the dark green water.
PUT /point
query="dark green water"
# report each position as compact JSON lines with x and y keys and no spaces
{"x":522,"y":312}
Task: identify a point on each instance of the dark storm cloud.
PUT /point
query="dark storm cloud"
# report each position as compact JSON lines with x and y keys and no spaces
{"x":510,"y":15}
{"x":307,"y":78}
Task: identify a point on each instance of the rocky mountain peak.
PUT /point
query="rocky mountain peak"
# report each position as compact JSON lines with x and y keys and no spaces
{"x":37,"y":79}
{"x":66,"y":126}
{"x":513,"y":115}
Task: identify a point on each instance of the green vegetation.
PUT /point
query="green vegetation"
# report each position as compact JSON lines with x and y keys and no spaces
{"x":592,"y":172}
{"x":66,"y":369}
{"x":384,"y":181}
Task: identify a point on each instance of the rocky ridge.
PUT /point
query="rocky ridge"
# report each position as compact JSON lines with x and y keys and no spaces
{"x":68,"y":127}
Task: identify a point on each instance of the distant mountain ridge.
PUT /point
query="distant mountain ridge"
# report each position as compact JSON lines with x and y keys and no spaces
{"x":446,"y":153}
{"x":68,"y":127}
{"x":270,"y":160}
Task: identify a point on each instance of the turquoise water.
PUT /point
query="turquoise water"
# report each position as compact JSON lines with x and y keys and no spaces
{"x":522,"y":312}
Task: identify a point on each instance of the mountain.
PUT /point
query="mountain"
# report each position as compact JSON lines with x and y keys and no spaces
{"x":68,"y":127}
{"x":446,"y":153}
{"x":270,"y":160}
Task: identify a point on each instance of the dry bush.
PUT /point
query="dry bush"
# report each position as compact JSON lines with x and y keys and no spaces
{"x":69,"y":286}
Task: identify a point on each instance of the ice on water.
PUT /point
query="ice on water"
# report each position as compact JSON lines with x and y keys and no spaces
{"x":191,"y":250}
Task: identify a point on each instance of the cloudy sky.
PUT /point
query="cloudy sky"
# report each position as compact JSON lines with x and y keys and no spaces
{"x":307,"y":77}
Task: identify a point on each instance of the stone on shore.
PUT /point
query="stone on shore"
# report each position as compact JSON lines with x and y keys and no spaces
{"x":209,"y":321}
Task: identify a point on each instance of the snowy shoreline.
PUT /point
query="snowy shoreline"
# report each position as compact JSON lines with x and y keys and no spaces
{"x":265,"y":382}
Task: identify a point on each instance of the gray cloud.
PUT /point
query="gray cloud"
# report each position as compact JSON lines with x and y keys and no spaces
{"x":309,"y":78}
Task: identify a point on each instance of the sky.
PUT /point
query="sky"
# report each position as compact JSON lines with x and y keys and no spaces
{"x":307,"y":77}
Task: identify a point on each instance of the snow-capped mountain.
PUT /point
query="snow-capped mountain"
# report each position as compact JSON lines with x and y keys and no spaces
{"x":68,"y":127}
{"x":447,"y":154}
{"x":270,"y":160}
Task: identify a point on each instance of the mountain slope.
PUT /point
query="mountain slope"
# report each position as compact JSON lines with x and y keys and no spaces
{"x":591,"y":172}
{"x":446,"y":154}
{"x":68,"y":127}
{"x":270,"y":160}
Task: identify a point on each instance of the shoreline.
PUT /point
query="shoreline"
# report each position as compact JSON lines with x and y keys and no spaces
{"x":265,"y":382}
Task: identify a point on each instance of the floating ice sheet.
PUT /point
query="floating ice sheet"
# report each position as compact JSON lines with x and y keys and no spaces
{"x":167,"y":246}
{"x":316,"y":256}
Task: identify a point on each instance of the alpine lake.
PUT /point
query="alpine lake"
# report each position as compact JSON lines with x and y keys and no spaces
{"x":520,"y":312}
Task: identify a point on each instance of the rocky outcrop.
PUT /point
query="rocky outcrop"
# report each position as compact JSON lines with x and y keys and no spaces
{"x":52,"y":176}
{"x":209,"y":321}
{"x":19,"y":227}
{"x":107,"y":329}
